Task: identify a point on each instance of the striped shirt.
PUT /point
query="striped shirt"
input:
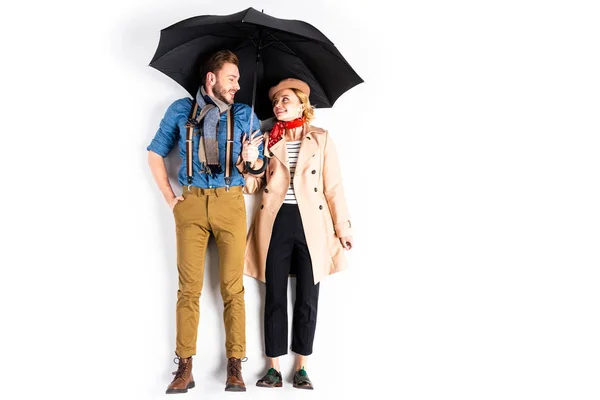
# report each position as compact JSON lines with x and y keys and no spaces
{"x":293,"y":148}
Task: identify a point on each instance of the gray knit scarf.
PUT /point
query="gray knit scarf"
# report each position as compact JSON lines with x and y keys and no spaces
{"x":208,"y":150}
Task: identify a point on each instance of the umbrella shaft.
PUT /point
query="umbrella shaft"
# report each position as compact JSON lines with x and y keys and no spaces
{"x":254,"y":85}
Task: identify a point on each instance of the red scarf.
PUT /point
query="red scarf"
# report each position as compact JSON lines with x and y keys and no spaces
{"x":280,"y":127}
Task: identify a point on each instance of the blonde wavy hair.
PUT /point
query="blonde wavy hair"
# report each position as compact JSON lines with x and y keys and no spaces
{"x":309,"y":110}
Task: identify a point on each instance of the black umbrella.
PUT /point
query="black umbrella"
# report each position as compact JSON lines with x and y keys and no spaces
{"x":269,"y":49}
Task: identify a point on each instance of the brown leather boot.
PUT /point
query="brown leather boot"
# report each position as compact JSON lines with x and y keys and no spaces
{"x":184,"y":379}
{"x":235,"y":382}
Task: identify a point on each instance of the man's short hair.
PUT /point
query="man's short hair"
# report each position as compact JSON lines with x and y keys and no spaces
{"x":216,"y":62}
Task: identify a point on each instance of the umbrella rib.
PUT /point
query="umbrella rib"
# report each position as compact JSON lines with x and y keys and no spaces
{"x":293,"y":53}
{"x":213,"y":35}
{"x":271,"y":34}
{"x":276,"y":40}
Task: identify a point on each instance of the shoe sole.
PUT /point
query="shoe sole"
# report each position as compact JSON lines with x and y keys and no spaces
{"x":190,"y":385}
{"x":305,"y":387}
{"x":235,"y":388}
{"x":266,"y":385}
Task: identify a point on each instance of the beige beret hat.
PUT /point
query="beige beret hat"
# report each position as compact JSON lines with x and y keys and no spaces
{"x":289,"y":83}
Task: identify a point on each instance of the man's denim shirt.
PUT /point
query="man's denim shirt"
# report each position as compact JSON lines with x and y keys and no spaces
{"x":172,"y":131}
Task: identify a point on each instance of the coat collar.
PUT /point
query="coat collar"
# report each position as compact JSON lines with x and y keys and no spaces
{"x":279,"y":151}
{"x":307,"y":148}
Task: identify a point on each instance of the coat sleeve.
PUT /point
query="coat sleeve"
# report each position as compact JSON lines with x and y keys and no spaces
{"x":254,"y":182}
{"x":334,"y":190}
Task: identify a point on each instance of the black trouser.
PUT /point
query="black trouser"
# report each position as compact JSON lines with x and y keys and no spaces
{"x":287,"y":250}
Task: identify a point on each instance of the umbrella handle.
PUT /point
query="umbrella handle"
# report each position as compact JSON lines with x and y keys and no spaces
{"x":256,"y":171}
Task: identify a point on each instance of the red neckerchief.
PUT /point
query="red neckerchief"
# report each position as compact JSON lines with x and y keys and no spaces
{"x":280,"y":127}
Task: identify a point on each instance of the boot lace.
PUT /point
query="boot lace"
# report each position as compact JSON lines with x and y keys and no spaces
{"x":182,"y":370}
{"x":234,"y":367}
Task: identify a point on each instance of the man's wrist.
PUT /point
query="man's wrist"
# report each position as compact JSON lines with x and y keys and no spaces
{"x":170,"y":198}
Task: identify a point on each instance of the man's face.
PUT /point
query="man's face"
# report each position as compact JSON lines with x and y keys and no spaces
{"x":226,"y":83}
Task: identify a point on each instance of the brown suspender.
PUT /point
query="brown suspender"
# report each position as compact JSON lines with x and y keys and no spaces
{"x":229,"y":149}
{"x":191,"y":122}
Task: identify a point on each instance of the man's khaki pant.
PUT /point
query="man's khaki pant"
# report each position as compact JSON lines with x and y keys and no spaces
{"x":222,"y":213}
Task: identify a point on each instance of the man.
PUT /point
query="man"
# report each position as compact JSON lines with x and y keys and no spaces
{"x":212,"y":203}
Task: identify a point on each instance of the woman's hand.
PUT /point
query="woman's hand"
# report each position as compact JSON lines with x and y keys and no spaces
{"x":346,"y":242}
{"x":250,"y":147}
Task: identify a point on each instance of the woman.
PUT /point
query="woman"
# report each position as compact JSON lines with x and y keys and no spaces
{"x":302,"y":226}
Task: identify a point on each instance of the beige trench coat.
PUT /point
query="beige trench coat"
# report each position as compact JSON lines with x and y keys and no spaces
{"x":321,"y":201}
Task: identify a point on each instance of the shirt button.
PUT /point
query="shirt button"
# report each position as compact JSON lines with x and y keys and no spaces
{"x":320,"y":207}
{"x":315,"y":189}
{"x":271,"y":154}
{"x":313,"y":172}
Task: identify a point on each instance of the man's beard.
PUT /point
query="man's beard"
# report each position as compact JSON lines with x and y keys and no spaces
{"x":220,"y":93}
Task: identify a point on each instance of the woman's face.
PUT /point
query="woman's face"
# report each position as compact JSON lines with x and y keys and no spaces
{"x":286,"y":105}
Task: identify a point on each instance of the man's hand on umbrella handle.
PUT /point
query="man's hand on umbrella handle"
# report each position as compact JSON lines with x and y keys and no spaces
{"x":250,"y":147}
{"x":346,"y":242}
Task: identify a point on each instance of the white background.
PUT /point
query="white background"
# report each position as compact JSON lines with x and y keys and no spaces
{"x":471,"y":164}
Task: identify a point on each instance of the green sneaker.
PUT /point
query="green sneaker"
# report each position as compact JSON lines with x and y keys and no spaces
{"x":301,"y":380}
{"x":271,"y":379}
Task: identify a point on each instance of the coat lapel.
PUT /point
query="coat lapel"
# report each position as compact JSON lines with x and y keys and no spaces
{"x":279,"y":150}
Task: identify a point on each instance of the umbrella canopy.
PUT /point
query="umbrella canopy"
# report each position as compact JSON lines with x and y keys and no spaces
{"x":269,"y":49}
